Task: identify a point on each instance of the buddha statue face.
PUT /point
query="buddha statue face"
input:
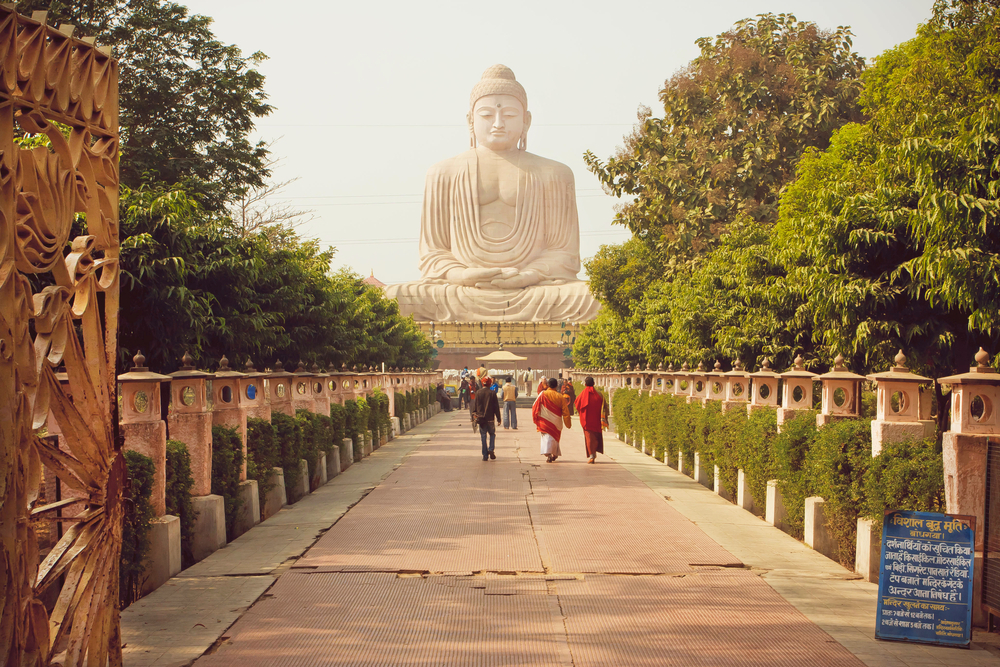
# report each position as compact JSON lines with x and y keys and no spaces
{"x":500,"y":122}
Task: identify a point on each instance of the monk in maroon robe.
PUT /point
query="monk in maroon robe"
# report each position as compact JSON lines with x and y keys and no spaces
{"x":593,"y":411}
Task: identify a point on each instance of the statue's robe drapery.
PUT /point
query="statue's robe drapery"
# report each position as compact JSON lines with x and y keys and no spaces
{"x":545,"y":237}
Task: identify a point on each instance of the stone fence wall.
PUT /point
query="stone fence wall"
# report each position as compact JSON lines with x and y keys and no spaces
{"x":903,"y":412}
{"x":197,"y":400}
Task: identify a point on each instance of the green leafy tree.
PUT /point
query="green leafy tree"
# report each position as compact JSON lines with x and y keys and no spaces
{"x":188,"y":101}
{"x":735,"y":121}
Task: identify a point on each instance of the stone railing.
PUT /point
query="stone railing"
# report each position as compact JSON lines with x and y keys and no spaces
{"x":903,"y":412}
{"x":199,"y":400}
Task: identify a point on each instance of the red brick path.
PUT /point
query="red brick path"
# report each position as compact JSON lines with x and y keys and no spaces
{"x":456,"y":561}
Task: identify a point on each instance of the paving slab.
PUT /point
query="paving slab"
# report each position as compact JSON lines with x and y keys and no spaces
{"x":831,"y":596}
{"x":179,"y":621}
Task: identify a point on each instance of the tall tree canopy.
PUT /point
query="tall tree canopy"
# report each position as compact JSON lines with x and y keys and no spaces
{"x":188,"y":101}
{"x":735,"y":121}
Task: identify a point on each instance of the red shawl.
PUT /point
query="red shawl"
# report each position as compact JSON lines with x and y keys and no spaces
{"x":593,"y":413}
{"x":550,"y":412}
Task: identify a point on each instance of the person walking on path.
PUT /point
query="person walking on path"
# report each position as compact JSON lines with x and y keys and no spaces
{"x":570,"y":393}
{"x":484,"y":410}
{"x":443,"y":398}
{"x":550,"y":413}
{"x":510,"y":405}
{"x":529,"y":379}
{"x":593,"y":411}
{"x":464,"y":393}
{"x":543,"y":384}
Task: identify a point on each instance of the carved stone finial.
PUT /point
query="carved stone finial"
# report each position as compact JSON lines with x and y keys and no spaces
{"x":684,"y":367}
{"x":138,"y":361}
{"x":799,"y":366}
{"x":718,"y":366}
{"x":737,"y":365}
{"x":250,"y":368}
{"x":982,"y":359}
{"x":315,"y":368}
{"x":223,"y":364}
{"x":838,"y":363}
{"x":278,"y":366}
{"x":900,"y":359}
{"x":765,"y":365}
{"x":659,"y":366}
{"x":301,"y":368}
{"x":701,"y":367}
{"x":670,"y":367}
{"x":637,"y":367}
{"x":343,"y":367}
{"x":649,"y":366}
{"x":354,"y":368}
{"x":187,"y":362}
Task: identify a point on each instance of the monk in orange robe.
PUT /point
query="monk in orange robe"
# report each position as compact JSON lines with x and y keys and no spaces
{"x":550,"y":413}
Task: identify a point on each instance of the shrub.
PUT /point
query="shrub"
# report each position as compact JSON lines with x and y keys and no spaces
{"x":262,"y":456}
{"x":227,"y":464}
{"x":354,"y":421}
{"x":312,"y":436}
{"x":754,"y":452}
{"x":338,"y":423}
{"x":837,"y":462}
{"x":790,"y":450}
{"x":724,"y":442}
{"x":904,"y":476}
{"x":136,"y":519}
{"x":178,"y":495}
{"x":364,"y":418}
{"x":289,"y":437}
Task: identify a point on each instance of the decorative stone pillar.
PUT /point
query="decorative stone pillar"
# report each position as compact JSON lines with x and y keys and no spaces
{"x":303,"y":397}
{"x":764,"y":393}
{"x":142,"y":425}
{"x":798,"y":391}
{"x":841,"y":394}
{"x":898,"y":407}
{"x":143,"y":430}
{"x":320,"y":392}
{"x":280,"y":383}
{"x":698,"y":384}
{"x":190,"y":421}
{"x":975,"y":400}
{"x":682,"y":381}
{"x":335,"y":385}
{"x":254,"y":393}
{"x":737,"y":387}
{"x":716,"y":380}
{"x":230,"y":410}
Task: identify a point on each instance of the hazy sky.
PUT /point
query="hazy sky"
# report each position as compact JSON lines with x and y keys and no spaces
{"x":368,"y":95}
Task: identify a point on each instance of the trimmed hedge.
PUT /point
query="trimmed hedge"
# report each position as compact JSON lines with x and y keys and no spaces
{"x":263,"y":455}
{"x":338,"y":423}
{"x":227,"y":464}
{"x":834,"y":462}
{"x":137,"y":516}
{"x":289,"y":437}
{"x":178,"y":495}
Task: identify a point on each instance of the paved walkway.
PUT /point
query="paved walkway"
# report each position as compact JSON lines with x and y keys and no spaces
{"x":450,"y":560}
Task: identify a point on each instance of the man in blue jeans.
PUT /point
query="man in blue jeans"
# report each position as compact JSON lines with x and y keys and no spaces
{"x":484,"y":410}
{"x":510,"y":405}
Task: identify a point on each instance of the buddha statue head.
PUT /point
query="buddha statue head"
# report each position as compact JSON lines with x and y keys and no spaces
{"x":498,"y":111}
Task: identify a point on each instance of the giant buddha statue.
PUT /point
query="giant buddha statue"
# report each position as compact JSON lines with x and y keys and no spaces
{"x":499,"y":235}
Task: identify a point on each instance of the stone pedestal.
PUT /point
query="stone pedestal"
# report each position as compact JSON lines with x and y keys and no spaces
{"x":276,"y":498}
{"x":680,"y":462}
{"x":397,"y":427}
{"x":346,"y":454}
{"x":319,"y":475}
{"x":150,"y":439}
{"x":887,"y":432}
{"x":719,"y":487}
{"x":333,"y":462}
{"x":304,"y":487}
{"x":369,"y":446}
{"x":786,"y":415}
{"x":164,"y":560}
{"x":701,"y":472}
{"x":743,"y":496}
{"x":868,"y":551}
{"x":817,"y":535}
{"x":774,"y":507}
{"x":209,"y":526}
{"x":248,"y":515}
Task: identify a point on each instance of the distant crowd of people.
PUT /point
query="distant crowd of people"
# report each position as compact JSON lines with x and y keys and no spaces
{"x":552,"y":410}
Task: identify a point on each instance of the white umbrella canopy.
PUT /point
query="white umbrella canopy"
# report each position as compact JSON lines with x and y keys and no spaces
{"x":501,"y":356}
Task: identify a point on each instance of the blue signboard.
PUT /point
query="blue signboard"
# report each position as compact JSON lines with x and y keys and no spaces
{"x":925,"y":578}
